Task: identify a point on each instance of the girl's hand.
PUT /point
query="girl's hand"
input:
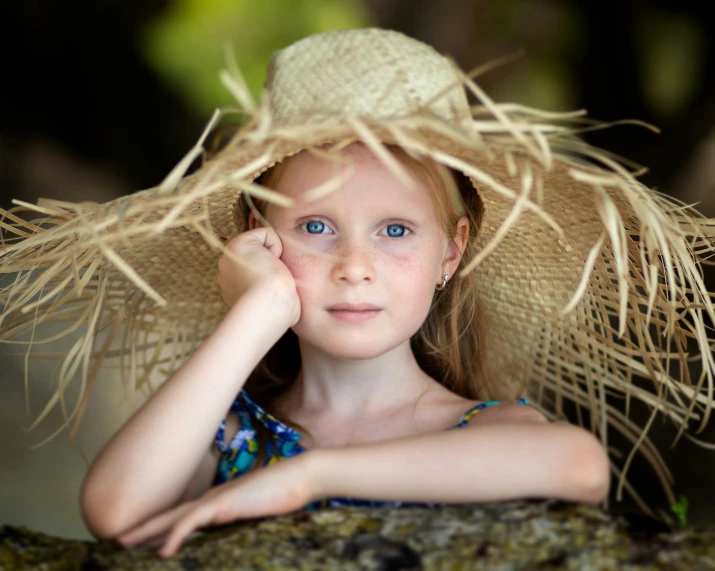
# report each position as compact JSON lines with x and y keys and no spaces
{"x":260,"y":249}
{"x":277,"y":489}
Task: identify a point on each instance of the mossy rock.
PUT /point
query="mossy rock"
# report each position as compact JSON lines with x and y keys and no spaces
{"x":510,"y":535}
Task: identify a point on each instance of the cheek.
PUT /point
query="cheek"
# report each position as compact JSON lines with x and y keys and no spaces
{"x":414,"y":279}
{"x":305,"y":268}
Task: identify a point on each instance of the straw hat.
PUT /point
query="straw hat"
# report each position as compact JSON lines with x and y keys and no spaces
{"x":589,"y":279}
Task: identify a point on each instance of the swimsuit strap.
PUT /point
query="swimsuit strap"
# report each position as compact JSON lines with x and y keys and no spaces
{"x":245,"y":428}
{"x":466,"y":417}
{"x":270,"y":421}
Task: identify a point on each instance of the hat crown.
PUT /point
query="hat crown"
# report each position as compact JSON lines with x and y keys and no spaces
{"x":368,"y":73}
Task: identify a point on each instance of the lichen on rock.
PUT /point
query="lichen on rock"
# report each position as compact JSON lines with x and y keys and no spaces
{"x":543,"y":534}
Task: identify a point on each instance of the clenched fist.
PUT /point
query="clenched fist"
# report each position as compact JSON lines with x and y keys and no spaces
{"x":259,"y":252}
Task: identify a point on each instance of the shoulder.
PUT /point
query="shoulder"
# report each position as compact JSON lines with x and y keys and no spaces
{"x":504,"y":412}
{"x":444,"y":408}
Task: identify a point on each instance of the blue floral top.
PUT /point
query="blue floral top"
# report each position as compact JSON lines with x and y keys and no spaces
{"x":240,"y":454}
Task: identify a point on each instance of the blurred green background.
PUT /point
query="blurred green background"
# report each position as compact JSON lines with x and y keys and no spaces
{"x":101,"y":99}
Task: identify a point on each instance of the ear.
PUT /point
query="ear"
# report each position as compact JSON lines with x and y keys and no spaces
{"x":253,"y":222}
{"x":455,"y":248}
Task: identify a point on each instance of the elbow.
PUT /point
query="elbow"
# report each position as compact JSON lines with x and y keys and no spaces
{"x":104,"y":511}
{"x":588,"y":471}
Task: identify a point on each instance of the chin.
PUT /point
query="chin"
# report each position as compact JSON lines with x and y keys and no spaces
{"x":355,"y":352}
{"x":353,"y":347}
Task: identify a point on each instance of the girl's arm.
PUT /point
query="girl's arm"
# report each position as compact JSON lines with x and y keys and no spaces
{"x":164,"y":453}
{"x":480,"y":463}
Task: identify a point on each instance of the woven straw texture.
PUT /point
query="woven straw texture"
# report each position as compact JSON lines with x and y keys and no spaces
{"x":589,"y":280}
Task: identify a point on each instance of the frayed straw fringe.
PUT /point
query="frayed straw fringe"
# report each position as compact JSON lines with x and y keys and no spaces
{"x":75,"y":265}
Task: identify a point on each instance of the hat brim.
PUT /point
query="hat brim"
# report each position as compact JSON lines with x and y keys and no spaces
{"x":589,"y":279}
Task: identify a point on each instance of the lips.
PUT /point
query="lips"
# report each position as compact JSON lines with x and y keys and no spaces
{"x":354,"y":312}
{"x":354,"y":307}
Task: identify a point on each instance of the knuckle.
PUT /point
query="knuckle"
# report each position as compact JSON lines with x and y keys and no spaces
{"x":235,"y":243}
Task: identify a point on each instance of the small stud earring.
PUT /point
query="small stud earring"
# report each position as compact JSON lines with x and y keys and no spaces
{"x":444,"y":283}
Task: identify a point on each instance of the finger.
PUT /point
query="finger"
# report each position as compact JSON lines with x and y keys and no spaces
{"x":261,"y":237}
{"x":272,"y":241}
{"x":156,"y":526}
{"x":147,"y":531}
{"x":194,"y":519}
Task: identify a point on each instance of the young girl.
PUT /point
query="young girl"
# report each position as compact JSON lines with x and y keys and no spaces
{"x":368,"y":258}
{"x":396,"y":271}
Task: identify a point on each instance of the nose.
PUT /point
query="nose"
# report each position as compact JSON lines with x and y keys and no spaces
{"x":354,"y":263}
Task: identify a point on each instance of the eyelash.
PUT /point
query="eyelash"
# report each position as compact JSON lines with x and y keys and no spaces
{"x":304,"y":228}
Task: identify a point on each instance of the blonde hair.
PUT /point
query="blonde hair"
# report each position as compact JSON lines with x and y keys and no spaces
{"x":450,"y":346}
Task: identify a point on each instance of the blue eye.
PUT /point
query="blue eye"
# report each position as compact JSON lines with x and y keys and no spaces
{"x":314,"y":227}
{"x":396,"y":230}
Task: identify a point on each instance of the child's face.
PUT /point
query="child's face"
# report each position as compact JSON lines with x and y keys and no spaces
{"x":366,"y":257}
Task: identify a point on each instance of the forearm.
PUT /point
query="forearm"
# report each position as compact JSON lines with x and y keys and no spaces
{"x":490,"y":463}
{"x":148,"y":464}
